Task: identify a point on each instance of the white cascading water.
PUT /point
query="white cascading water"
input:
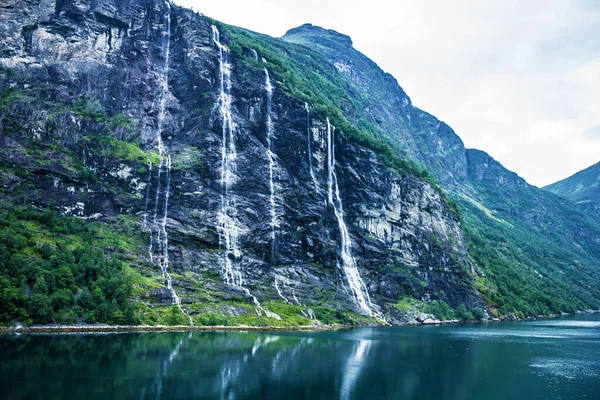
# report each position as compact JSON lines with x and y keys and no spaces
{"x":312,"y":174}
{"x":355,"y":282}
{"x":271,"y":157}
{"x":148,"y":184}
{"x":228,"y":228}
{"x":229,"y":231}
{"x":159,"y":224}
{"x":279,"y":291}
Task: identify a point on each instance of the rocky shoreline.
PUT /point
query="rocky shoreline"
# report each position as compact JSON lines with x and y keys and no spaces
{"x":160,"y":328}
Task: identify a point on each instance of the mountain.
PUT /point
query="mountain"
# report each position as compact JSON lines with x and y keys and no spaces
{"x":582,"y":188}
{"x":522,"y":239}
{"x":160,"y":167}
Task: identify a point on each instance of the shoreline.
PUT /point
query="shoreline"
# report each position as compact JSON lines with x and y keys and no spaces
{"x":164,"y":328}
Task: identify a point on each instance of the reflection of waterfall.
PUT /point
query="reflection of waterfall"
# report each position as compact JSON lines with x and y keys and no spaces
{"x":312,"y":174}
{"x":158,"y":231}
{"x":229,"y":230}
{"x":167,"y":362}
{"x":353,"y":367}
{"x":355,"y":282}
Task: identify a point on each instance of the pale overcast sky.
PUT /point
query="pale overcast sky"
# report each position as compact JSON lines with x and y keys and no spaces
{"x":517,"y":79}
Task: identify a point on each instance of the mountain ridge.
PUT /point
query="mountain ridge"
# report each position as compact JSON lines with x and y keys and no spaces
{"x":582,"y":187}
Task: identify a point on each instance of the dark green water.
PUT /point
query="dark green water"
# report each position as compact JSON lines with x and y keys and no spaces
{"x":552,"y":359}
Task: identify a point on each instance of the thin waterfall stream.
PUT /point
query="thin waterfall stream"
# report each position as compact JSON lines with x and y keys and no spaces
{"x":229,"y":230}
{"x":271,"y":157}
{"x":158,"y":231}
{"x":310,"y":167}
{"x":359,"y":291}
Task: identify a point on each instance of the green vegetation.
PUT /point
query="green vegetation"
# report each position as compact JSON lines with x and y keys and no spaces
{"x":104,"y":146}
{"x":56,"y":269}
{"x":526,"y":273}
{"x":442,"y":311}
{"x":582,"y":187}
{"x":439,"y":308}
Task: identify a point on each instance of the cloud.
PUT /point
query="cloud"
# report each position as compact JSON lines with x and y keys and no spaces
{"x":517,"y":79}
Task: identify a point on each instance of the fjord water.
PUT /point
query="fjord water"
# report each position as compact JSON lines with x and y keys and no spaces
{"x":546,"y":359}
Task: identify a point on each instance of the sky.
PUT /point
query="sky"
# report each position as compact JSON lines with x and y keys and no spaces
{"x":517,"y":79}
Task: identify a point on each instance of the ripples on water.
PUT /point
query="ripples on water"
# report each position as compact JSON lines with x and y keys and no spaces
{"x":550,"y":359}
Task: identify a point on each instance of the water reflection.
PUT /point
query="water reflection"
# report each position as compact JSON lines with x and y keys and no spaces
{"x":353,"y":366}
{"x":496,"y":361}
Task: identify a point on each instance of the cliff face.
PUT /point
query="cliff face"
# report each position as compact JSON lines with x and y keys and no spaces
{"x":243,"y":195}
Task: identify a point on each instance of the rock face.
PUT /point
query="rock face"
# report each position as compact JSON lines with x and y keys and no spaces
{"x":129,"y":94}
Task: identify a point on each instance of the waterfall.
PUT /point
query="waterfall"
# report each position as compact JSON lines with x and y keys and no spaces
{"x":148,"y":184}
{"x":285,"y":300}
{"x":271,"y":157}
{"x":158,"y":231}
{"x":355,"y":282}
{"x":229,"y":231}
{"x":310,"y":168}
{"x":254,"y":54}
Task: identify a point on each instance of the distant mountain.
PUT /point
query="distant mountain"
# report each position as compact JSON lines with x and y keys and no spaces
{"x":583,"y":187}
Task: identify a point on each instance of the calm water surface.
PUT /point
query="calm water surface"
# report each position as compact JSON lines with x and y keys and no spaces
{"x":550,"y":359}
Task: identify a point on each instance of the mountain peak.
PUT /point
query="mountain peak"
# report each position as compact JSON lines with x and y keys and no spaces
{"x":313,"y":33}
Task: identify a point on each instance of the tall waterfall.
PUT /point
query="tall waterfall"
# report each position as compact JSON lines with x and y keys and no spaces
{"x":355,"y":282}
{"x":229,"y":231}
{"x":310,"y":168}
{"x":158,"y":231}
{"x":271,"y":157}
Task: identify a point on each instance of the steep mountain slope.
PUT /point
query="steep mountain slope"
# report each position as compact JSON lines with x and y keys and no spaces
{"x":185,"y":171}
{"x":508,"y":212}
{"x":216,"y":195}
{"x":583,"y":188}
